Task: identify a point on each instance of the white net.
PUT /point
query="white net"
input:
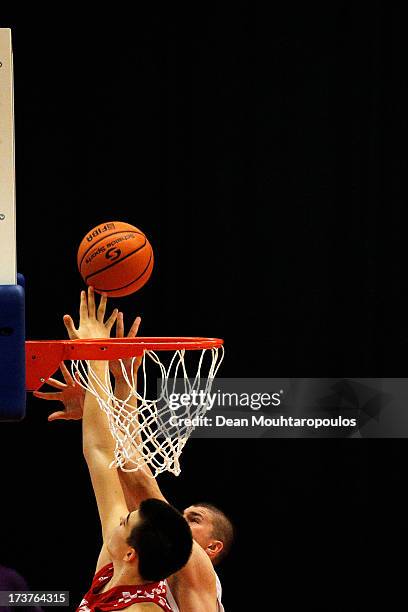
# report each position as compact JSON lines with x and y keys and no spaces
{"x":150,"y":429}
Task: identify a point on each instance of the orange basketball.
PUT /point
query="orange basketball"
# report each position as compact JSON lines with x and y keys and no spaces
{"x":115,"y":258}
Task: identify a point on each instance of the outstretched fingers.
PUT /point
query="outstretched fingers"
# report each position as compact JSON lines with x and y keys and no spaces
{"x":135,"y":328}
{"x":53,"y":382}
{"x":83,"y":307}
{"x":66,"y":374}
{"x":109,"y":323}
{"x":91,"y":303}
{"x":55,"y":397}
{"x":102,"y":308}
{"x":70,"y":327}
{"x":60,"y":414}
{"x":120,"y":329}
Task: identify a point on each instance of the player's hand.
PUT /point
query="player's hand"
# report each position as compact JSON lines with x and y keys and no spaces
{"x":114,"y":366}
{"x":91,"y":321}
{"x":71,"y":394}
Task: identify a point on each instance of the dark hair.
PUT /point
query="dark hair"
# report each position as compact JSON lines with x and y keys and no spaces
{"x":222,"y":529}
{"x":162,"y":540}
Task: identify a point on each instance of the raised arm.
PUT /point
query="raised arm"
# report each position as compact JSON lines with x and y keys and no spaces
{"x":136,"y":486}
{"x":98,"y":444}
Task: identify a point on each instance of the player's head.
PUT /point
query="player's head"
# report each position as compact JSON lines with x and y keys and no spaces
{"x":211,"y":529}
{"x":156,"y":536}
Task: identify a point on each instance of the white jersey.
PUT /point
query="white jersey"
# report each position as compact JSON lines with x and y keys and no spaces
{"x":173,"y":605}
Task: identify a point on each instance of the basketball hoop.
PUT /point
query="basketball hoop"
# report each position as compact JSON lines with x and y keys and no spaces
{"x":146,"y":436}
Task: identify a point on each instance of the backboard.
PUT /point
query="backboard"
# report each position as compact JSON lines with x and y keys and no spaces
{"x":8,"y":268}
{"x":12,"y":336}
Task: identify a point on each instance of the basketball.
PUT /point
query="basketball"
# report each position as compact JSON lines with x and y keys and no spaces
{"x":115,"y":258}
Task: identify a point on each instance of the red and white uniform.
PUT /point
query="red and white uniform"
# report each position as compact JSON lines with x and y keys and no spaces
{"x":123,"y":596}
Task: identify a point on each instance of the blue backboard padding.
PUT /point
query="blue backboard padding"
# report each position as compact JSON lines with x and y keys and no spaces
{"x":12,"y":352}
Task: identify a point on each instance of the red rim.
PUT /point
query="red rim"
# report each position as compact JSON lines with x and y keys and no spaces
{"x":44,"y":356}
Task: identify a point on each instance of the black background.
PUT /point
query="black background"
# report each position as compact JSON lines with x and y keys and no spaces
{"x":263,"y":153}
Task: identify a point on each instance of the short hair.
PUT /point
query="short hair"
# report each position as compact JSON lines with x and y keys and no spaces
{"x":222,"y":529}
{"x":162,"y":540}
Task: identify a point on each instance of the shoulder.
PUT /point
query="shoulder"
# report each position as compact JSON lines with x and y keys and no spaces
{"x":102,"y":576}
{"x":200,"y":561}
{"x":198,"y":571}
{"x":104,"y":570}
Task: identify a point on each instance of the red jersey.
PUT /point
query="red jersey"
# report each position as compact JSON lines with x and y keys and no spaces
{"x":122,"y":596}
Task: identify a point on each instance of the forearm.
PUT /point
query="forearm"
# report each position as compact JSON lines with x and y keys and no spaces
{"x":138,"y":485}
{"x":98,"y":443}
{"x":95,"y":430}
{"x":98,"y":448}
